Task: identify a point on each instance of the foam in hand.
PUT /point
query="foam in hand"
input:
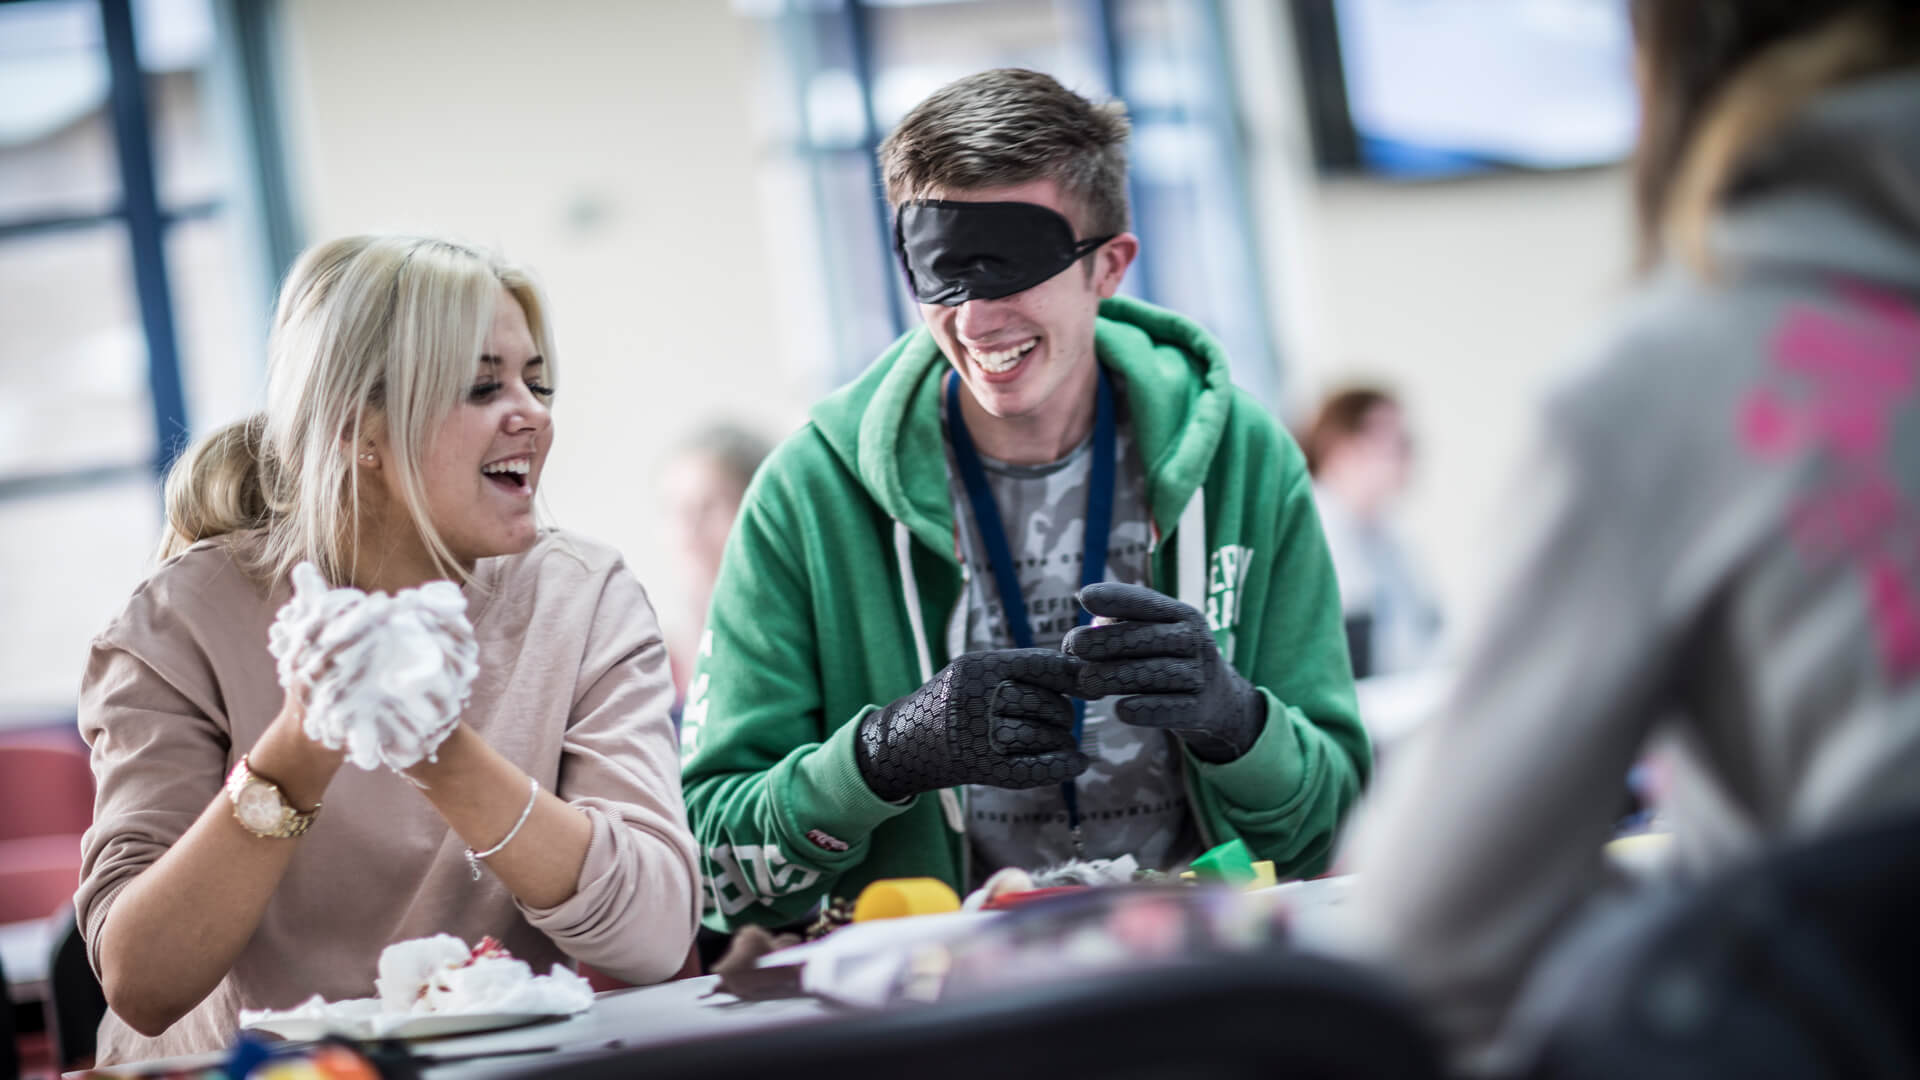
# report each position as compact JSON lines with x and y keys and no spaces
{"x":385,"y":677}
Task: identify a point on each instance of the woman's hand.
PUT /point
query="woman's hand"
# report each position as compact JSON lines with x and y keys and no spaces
{"x":385,"y":676}
{"x":284,"y":754}
{"x":481,"y":795}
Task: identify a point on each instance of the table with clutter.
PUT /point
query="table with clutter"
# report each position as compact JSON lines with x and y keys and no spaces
{"x":903,"y":944}
{"x":619,"y":1019}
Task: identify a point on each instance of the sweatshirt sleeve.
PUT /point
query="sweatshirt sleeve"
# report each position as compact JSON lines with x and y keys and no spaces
{"x":1490,"y":828}
{"x":159,"y":757}
{"x":777,"y":802}
{"x":637,"y":902}
{"x":1288,"y":795}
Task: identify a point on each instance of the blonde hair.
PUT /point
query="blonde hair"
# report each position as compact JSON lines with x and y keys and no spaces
{"x":1723,"y":77}
{"x":369,"y":330}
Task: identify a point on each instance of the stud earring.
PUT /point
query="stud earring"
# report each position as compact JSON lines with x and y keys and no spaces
{"x":368,"y":458}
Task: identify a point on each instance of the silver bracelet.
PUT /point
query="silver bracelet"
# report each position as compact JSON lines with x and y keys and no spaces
{"x":474,"y":857}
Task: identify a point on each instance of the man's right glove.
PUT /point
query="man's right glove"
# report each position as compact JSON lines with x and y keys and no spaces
{"x":1160,"y":653}
{"x":996,"y":718}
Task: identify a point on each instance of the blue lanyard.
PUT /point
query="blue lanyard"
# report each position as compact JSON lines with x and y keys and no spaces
{"x":986,"y":517}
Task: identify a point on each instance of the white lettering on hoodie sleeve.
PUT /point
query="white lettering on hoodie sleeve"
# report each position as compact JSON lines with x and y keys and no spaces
{"x":746,"y":874}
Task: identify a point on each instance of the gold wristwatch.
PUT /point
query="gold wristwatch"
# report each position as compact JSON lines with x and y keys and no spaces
{"x":262,"y":808}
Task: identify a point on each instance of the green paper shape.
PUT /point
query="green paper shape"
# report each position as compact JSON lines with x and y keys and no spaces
{"x":1229,"y":864}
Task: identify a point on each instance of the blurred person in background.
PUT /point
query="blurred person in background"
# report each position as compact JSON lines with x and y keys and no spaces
{"x":898,"y":637}
{"x":1718,"y":528}
{"x":406,"y":429}
{"x":703,"y":482}
{"x":1361,"y":456}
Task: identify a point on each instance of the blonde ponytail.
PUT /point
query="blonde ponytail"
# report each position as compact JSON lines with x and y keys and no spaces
{"x":216,"y":487}
{"x":1760,"y":100}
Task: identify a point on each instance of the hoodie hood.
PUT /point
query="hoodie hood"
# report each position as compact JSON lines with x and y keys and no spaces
{"x":1838,"y":191}
{"x":885,"y":425}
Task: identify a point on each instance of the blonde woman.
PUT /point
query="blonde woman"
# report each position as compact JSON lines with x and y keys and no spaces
{"x":233,"y":862}
{"x":1719,"y":541}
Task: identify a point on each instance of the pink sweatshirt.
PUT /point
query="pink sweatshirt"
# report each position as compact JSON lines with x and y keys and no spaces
{"x":573,"y":688}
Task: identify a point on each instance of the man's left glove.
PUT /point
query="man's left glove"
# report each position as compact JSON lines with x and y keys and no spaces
{"x":1160,"y":652}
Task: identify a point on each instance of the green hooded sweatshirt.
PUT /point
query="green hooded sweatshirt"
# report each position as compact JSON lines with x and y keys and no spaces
{"x":840,"y":575}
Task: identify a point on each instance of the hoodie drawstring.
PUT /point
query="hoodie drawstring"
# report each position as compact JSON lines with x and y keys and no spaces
{"x":1190,"y":567}
{"x":910,"y":592}
{"x":917,"y":623}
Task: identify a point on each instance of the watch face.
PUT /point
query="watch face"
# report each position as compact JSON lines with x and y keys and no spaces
{"x":259,"y":807}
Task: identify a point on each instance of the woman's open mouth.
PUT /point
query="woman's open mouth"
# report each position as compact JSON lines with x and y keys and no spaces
{"x":511,"y":475}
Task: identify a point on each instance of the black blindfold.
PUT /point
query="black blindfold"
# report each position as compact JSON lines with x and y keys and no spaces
{"x":953,"y":252}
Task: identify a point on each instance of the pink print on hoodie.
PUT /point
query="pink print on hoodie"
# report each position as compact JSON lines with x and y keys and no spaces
{"x":1841,"y":380}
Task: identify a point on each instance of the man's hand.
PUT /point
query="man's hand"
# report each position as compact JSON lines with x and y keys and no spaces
{"x":995,"y":718}
{"x":1160,"y":652}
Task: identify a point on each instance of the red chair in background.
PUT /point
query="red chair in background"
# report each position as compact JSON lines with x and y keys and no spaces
{"x":46,"y":802}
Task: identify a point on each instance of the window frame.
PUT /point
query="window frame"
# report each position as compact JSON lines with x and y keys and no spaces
{"x":252,"y":25}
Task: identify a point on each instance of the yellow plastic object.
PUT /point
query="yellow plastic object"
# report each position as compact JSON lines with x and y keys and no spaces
{"x":895,"y":897}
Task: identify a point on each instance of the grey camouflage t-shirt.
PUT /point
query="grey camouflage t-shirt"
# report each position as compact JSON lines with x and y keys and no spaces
{"x":1131,"y":798}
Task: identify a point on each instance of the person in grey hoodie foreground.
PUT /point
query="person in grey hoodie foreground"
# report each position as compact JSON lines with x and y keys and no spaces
{"x":1722,"y":544}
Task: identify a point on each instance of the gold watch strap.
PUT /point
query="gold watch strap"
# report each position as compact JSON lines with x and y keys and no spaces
{"x":293,"y":821}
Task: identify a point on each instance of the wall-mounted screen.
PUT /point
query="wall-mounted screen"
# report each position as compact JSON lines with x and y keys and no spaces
{"x":1439,"y":87}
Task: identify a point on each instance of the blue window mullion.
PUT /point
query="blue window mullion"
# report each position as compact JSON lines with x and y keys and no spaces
{"x":1108,"y":50}
{"x":860,"y":43}
{"x":145,"y":231}
{"x":14,"y":228}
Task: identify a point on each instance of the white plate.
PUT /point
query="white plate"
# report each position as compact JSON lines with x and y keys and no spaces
{"x":432,"y":1026}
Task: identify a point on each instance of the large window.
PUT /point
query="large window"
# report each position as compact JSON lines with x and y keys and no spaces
{"x":841,"y":73}
{"x":135,"y":266}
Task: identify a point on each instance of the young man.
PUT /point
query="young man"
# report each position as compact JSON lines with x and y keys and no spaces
{"x":898,"y":678}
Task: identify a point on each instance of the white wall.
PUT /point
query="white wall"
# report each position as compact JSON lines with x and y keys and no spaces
{"x":610,"y":146}
{"x":1466,"y":296}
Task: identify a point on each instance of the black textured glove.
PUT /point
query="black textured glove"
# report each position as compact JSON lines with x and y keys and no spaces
{"x":996,"y":718}
{"x":1160,"y":651}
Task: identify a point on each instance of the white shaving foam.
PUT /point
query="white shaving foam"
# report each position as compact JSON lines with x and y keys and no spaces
{"x":439,"y":974}
{"x":436,"y":976}
{"x":406,"y":967}
{"x":386,"y":677}
{"x":501,"y":984}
